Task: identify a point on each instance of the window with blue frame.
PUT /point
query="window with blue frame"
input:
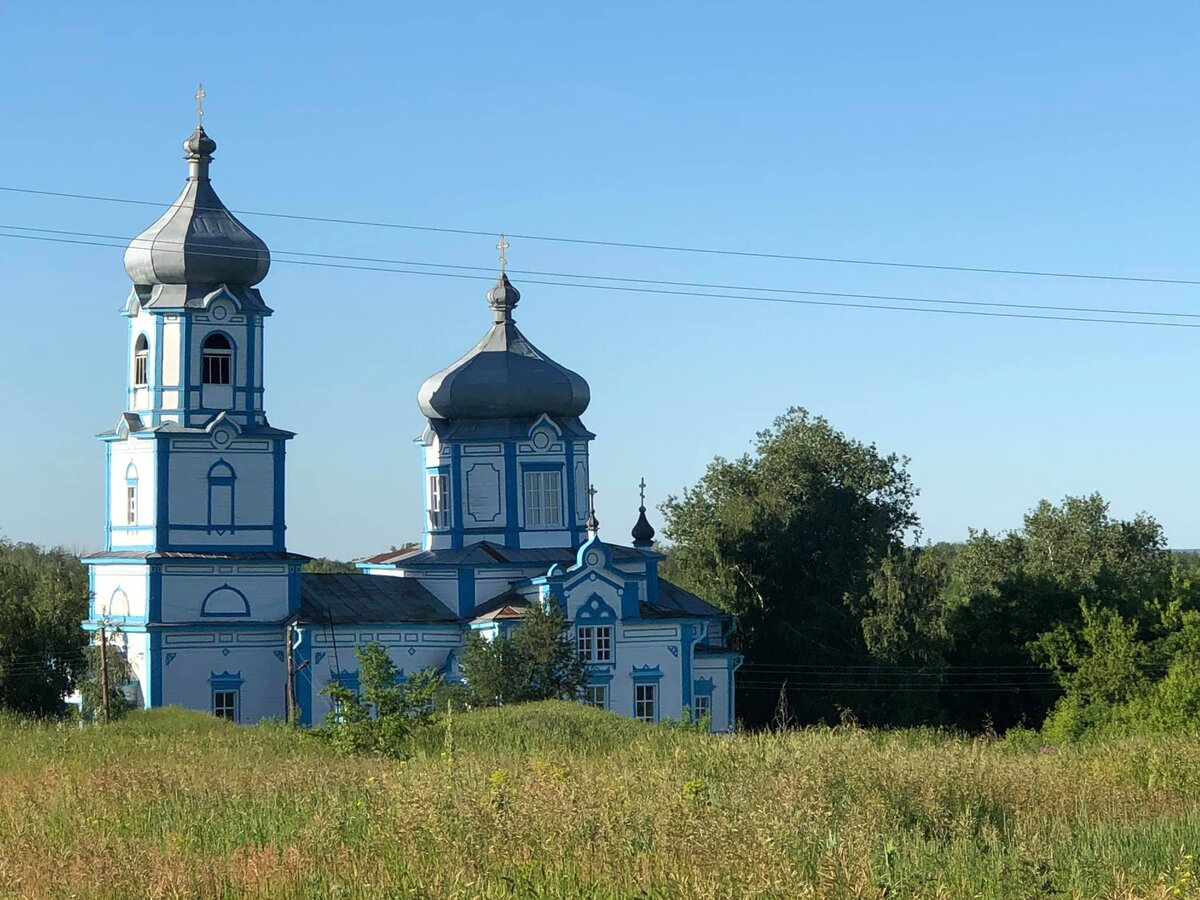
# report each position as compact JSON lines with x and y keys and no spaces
{"x":221,"y":484}
{"x":216,"y":357}
{"x":439,"y":501}
{"x":543,"y":499}
{"x":701,"y":707}
{"x":141,"y":353}
{"x":131,"y":494}
{"x":645,"y":703}
{"x":227,"y":695}
{"x":596,"y":695}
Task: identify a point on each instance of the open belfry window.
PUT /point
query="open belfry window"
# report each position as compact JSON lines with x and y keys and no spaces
{"x":216,"y":357}
{"x":439,"y":501}
{"x":141,"y":352}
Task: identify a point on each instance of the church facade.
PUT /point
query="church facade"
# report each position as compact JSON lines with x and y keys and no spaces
{"x":195,"y":581}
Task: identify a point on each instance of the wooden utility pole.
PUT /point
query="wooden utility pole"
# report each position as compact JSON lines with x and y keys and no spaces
{"x":104,"y":670}
{"x":291,"y":675}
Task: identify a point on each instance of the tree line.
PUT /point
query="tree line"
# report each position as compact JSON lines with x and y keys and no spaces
{"x":1074,"y":623}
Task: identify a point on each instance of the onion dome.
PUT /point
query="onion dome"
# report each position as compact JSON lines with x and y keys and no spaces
{"x":504,"y":376}
{"x":198,"y":240}
{"x":643,"y":531}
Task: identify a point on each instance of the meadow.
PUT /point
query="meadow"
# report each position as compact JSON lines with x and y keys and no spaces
{"x":555,"y":800}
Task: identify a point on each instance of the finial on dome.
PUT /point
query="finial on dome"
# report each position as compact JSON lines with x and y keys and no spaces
{"x":503,"y":297}
{"x":593,"y":524}
{"x":199,"y":147}
{"x":643,"y":532}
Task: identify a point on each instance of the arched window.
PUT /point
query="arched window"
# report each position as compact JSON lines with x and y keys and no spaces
{"x":221,"y":482}
{"x":216,"y":358}
{"x":141,"y":352}
{"x":131,"y":494}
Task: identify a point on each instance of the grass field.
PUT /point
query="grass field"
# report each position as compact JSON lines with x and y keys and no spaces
{"x":555,"y":800}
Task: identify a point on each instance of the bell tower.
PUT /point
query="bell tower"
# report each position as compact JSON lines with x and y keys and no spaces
{"x":194,"y":511}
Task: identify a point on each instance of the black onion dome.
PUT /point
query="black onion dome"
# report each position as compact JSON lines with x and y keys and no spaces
{"x":504,"y":376}
{"x":198,"y":240}
{"x":643,"y":531}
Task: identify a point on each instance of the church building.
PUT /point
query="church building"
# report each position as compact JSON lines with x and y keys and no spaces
{"x":195,"y":581}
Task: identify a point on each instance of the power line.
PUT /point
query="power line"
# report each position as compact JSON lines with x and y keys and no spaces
{"x":627,"y":280}
{"x":697,"y":294}
{"x":633,"y":245}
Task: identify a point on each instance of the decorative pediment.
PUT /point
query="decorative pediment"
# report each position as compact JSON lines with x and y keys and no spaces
{"x":127,"y":424}
{"x":222,"y":430}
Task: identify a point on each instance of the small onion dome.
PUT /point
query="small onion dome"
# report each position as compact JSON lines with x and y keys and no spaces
{"x":197,"y":240}
{"x":504,"y":376}
{"x":643,"y":531}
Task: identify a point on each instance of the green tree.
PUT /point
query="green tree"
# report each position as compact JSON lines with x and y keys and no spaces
{"x":537,"y":662}
{"x":324,"y":565}
{"x":91,"y":685}
{"x":781,"y":538}
{"x":380,"y":715}
{"x":43,"y":600}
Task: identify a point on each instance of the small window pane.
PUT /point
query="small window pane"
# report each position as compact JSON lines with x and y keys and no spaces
{"x":644,"y":707}
{"x":701,"y":707}
{"x":596,"y":695}
{"x":543,"y":499}
{"x":131,"y":505}
{"x":225,"y":705}
{"x":603,"y":643}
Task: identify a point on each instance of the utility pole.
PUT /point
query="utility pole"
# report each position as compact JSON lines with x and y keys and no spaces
{"x":104,"y":670}
{"x":291,"y":676}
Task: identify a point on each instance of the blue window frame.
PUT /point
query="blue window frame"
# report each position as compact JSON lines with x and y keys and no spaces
{"x":226,"y":695}
{"x":222,"y":484}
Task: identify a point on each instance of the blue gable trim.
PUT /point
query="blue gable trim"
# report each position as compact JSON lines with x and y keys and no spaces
{"x":646,"y":674}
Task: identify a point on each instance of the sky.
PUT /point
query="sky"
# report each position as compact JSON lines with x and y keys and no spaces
{"x":1053,"y":137}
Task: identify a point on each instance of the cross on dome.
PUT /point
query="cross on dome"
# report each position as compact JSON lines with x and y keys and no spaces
{"x":200,"y":95}
{"x":502,"y":245}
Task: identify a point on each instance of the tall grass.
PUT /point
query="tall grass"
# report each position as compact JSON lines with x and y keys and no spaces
{"x":555,"y":800}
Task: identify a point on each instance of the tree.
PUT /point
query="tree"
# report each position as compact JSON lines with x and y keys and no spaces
{"x":378,"y":717}
{"x":324,"y":565}
{"x":781,"y":538}
{"x":43,"y":600}
{"x":91,"y":685}
{"x":538,"y":662}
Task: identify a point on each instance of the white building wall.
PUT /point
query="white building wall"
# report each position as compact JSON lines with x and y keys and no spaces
{"x":120,"y":592}
{"x":141,"y":454}
{"x":191,"y":658}
{"x":185,"y":588}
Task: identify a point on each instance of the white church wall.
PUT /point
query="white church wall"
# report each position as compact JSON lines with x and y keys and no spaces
{"x":211,"y":593}
{"x":253,"y":494}
{"x":191,"y":660}
{"x":716,"y":669}
{"x":119,"y":592}
{"x":132,"y":464}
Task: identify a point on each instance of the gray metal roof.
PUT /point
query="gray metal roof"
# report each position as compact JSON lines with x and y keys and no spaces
{"x":675,"y":602}
{"x":198,"y":240}
{"x":352,"y":599}
{"x":487,"y":553}
{"x":503,"y":376}
{"x":237,"y":556}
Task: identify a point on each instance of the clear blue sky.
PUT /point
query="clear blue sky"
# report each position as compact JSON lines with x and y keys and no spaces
{"x":1048,"y":136}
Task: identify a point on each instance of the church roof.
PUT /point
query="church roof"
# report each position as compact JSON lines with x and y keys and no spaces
{"x":675,"y":602}
{"x":504,"y":376}
{"x":198,"y":240}
{"x":353,"y":599}
{"x":487,"y":553}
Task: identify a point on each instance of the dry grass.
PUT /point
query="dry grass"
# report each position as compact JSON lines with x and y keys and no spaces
{"x":559,"y":801}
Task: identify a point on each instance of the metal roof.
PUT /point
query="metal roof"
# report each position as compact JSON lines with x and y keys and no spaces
{"x":352,"y":599}
{"x":674,"y":602}
{"x":198,"y":240}
{"x":487,"y":553}
{"x":242,"y":556}
{"x":503,"y":376}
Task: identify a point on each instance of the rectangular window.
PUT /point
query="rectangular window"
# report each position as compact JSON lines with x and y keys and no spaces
{"x":594,"y":643}
{"x":225,"y":705}
{"x":131,"y":505}
{"x":603,"y":643}
{"x":596,"y":695}
{"x":701,"y":707}
{"x":439,"y":501}
{"x":645,"y":702}
{"x":139,"y":370}
{"x":215,"y":368}
{"x":543,"y":499}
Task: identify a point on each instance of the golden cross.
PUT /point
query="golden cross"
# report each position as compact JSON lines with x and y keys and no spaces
{"x":502,"y":245}
{"x":200,"y":95}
